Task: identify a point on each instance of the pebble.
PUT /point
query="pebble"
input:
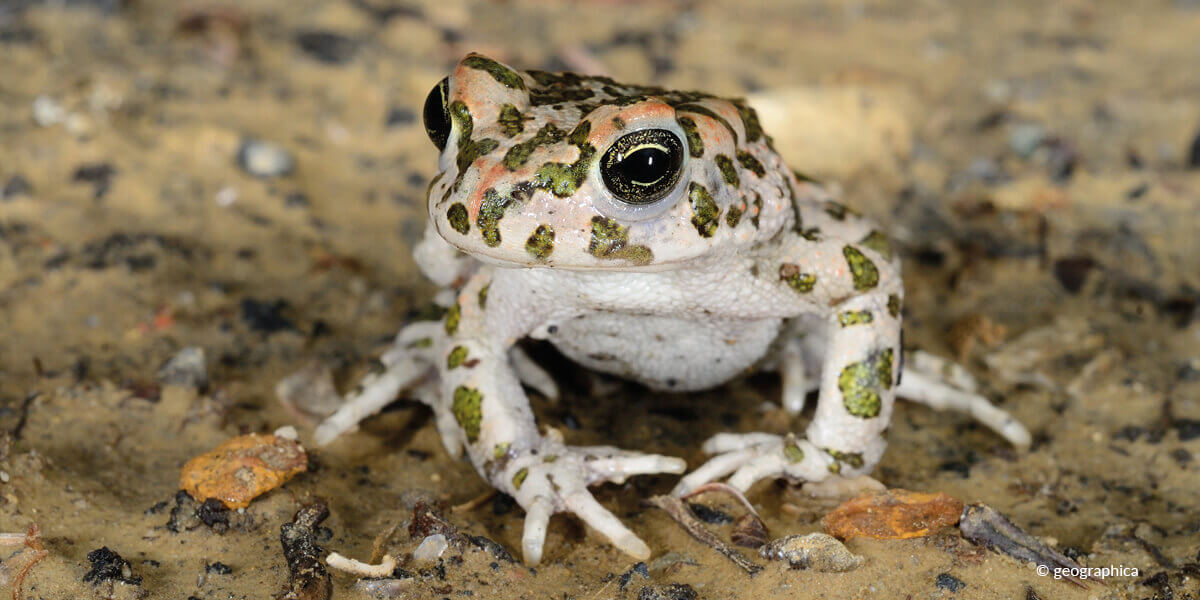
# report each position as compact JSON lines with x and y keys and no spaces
{"x":310,"y":391}
{"x":1024,"y":139}
{"x":671,"y":591}
{"x":430,"y":549}
{"x":47,"y":111}
{"x":16,"y":186}
{"x":187,"y":368}
{"x":243,"y":468}
{"x":949,"y":582}
{"x":264,"y":159}
{"x":327,"y":47}
{"x":815,"y":551}
{"x":894,"y":514}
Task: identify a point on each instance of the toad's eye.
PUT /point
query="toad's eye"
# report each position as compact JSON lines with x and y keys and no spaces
{"x":437,"y":116}
{"x":642,"y":167}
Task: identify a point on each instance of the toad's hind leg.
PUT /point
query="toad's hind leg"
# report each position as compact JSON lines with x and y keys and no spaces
{"x":918,"y":384}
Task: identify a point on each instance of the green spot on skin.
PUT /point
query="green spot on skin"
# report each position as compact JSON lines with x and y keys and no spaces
{"x":506,"y":76}
{"x":430,"y":312}
{"x":812,"y":234}
{"x":878,"y":242}
{"x":728,"y":172}
{"x":734,"y":216}
{"x":758,"y":204}
{"x":551,"y":458}
{"x":852,"y":459}
{"x":835,"y":467}
{"x":800,"y":282}
{"x":541,"y":243}
{"x":519,"y":154}
{"x":854,"y":317}
{"x":453,"y":314}
{"x":468,"y":150}
{"x":519,"y":478}
{"x":861,"y":383}
{"x":835,"y":210}
{"x":468,"y":410}
{"x":700,"y":110}
{"x":866,"y":276}
{"x":483,"y":292}
{"x":753,"y":128}
{"x":706,"y":214}
{"x":421,"y":343}
{"x":618,"y":123}
{"x":457,"y":356}
{"x":491,"y":210}
{"x":511,"y":121}
{"x":501,"y":450}
{"x":694,"y":142}
{"x":750,"y":163}
{"x":894,"y":305}
{"x":610,"y":240}
{"x":458,"y":219}
{"x":885,"y":367}
{"x":793,"y":453}
{"x":563,"y":179}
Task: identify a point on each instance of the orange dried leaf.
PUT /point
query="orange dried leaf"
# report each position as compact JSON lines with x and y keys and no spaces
{"x":243,"y":468}
{"x":894,"y":514}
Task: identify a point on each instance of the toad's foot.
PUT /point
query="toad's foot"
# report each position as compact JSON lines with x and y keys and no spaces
{"x":555,"y":479}
{"x":751,"y":457}
{"x":946,"y":386}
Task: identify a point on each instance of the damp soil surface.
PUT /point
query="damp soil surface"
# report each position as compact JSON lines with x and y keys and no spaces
{"x":247,"y":178}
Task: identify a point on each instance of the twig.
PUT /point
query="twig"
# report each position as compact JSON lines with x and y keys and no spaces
{"x":33,"y":541}
{"x":680,"y":513}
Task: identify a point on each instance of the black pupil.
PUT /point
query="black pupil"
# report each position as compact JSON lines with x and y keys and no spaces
{"x":645,"y":165}
{"x":436,"y":117}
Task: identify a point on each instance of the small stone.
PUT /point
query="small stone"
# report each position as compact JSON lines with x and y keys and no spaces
{"x":16,"y":186}
{"x":327,"y":47}
{"x":399,"y":116}
{"x":894,"y":514}
{"x":296,"y":200}
{"x":265,"y":317}
{"x":243,"y":468}
{"x":4,"y":478}
{"x":671,"y":591}
{"x":287,"y":432}
{"x":815,"y":551}
{"x":186,"y":368}
{"x":264,"y":159}
{"x":1024,"y":139}
{"x":47,"y":111}
{"x":310,"y":392}
{"x":949,"y":582}
{"x":218,"y":568}
{"x":430,"y":549}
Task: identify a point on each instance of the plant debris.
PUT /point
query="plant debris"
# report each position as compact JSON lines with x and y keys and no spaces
{"x":243,"y":468}
{"x":894,"y":514}
{"x":676,"y":509}
{"x":985,"y":526}
{"x":107,"y":565}
{"x":307,"y":577}
{"x":815,"y":551}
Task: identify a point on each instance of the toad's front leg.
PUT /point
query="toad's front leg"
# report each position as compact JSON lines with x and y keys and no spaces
{"x":481,"y":393}
{"x":857,"y":382}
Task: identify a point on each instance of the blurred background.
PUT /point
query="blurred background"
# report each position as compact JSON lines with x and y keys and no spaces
{"x":247,"y":177}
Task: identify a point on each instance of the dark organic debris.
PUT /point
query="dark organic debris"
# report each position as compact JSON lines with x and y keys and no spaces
{"x":107,"y":565}
{"x":1072,"y":271}
{"x":492,"y":547}
{"x":266,"y":317}
{"x":712,"y":516}
{"x":675,"y":508}
{"x":99,"y":175}
{"x":215,"y":514}
{"x":327,"y":47}
{"x":184,"y":515}
{"x":985,"y":526}
{"x":949,"y":582}
{"x":673,"y":591}
{"x":637,"y":569}
{"x":749,"y":531}
{"x":307,"y":577}
{"x":219,"y":568}
{"x":428,"y":520}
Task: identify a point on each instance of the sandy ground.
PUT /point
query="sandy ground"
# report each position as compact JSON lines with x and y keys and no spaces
{"x":1037,"y":162}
